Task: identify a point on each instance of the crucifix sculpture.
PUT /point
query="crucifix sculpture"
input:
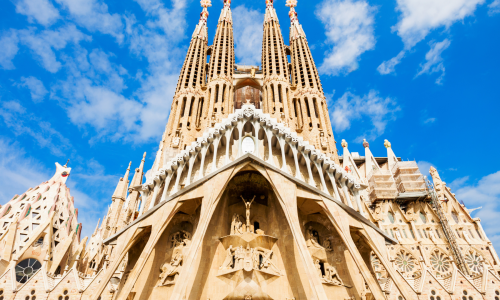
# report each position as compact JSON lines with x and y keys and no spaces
{"x":247,"y":206}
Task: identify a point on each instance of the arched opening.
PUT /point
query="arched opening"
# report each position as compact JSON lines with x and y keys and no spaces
{"x":133,"y":255}
{"x":264,"y":243}
{"x":247,"y":91}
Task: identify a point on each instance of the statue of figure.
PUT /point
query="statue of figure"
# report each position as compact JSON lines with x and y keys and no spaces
{"x":332,"y":276}
{"x":228,"y":261}
{"x":236,"y":225}
{"x":256,"y":259}
{"x":313,"y":237}
{"x":327,"y":245}
{"x":318,"y":268}
{"x":239,"y":255}
{"x":267,"y":263}
{"x":171,"y":268}
{"x":247,"y":206}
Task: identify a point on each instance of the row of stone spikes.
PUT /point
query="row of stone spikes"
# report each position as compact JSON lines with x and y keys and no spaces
{"x":249,"y":113}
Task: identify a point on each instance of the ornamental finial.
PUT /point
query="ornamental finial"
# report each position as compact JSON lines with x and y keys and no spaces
{"x":291,"y":3}
{"x":205,"y":3}
{"x":269,"y":3}
{"x":365,"y":143}
{"x":66,"y":165}
{"x":344,"y":144}
{"x":387,"y":144}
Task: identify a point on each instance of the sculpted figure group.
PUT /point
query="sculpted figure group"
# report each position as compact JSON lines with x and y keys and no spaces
{"x":256,"y":258}
{"x":331,"y":276}
{"x":237,"y":225}
{"x":170,"y":270}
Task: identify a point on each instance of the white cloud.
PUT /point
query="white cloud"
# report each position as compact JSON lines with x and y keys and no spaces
{"x":94,"y":15}
{"x":36,"y":87}
{"x":96,"y":85}
{"x":429,"y":120}
{"x":172,"y":21}
{"x":22,"y":122}
{"x":378,"y":110}
{"x":9,"y":42}
{"x":424,"y":167}
{"x":434,"y":61}
{"x":485,"y":193}
{"x":40,"y":10}
{"x":247,"y":35}
{"x":44,"y":43}
{"x":419,"y":17}
{"x":349,"y":28}
{"x":494,"y":7}
{"x":389,"y":66}
{"x":17,"y":173}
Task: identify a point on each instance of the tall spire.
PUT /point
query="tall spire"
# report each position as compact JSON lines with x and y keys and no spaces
{"x":189,"y":101}
{"x":275,"y":69}
{"x":118,"y":199}
{"x":309,"y":104}
{"x":131,"y":203}
{"x":220,"y":70}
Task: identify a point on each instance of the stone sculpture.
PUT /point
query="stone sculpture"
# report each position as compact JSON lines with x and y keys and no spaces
{"x":247,"y":206}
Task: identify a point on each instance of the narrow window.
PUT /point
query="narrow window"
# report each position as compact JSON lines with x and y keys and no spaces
{"x":412,"y":234}
{"x":307,"y":106}
{"x":216,"y":93}
{"x":191,"y":106}
{"x":315,"y":104}
{"x":183,"y":106}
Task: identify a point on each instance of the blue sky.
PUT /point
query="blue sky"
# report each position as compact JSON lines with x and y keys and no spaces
{"x":93,"y":80}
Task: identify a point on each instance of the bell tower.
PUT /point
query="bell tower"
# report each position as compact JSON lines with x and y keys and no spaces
{"x":276,"y":88}
{"x":309,"y":105}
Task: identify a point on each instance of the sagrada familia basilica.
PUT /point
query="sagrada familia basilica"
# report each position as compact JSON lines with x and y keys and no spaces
{"x":248,"y":198}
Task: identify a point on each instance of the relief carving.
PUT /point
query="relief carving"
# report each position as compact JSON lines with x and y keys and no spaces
{"x":170,"y":270}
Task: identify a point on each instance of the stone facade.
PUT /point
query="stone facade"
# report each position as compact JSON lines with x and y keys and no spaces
{"x":248,"y":198}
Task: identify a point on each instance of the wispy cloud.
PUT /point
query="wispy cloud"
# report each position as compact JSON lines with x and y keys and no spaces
{"x":485,"y":193}
{"x":377,"y":110}
{"x":41,"y":11}
{"x":247,"y":35}
{"x":424,"y":167}
{"x":494,"y":7}
{"x":419,"y":17}
{"x":44,"y":43}
{"x":22,"y":122}
{"x":9,"y":42}
{"x":389,"y":66}
{"x":434,"y":61}
{"x":36,"y":87}
{"x":349,"y":29}
{"x":94,"y":15}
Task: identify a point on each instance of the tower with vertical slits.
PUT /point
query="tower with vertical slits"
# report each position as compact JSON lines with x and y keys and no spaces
{"x":309,"y":106}
{"x":276,"y":86}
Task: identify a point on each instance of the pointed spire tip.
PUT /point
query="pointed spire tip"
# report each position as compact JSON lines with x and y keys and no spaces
{"x":66,"y":165}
